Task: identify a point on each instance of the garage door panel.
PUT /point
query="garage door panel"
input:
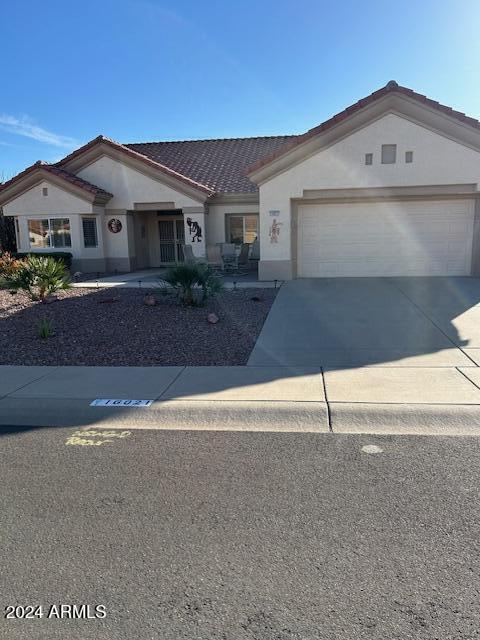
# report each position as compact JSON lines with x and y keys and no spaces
{"x":394,"y":239}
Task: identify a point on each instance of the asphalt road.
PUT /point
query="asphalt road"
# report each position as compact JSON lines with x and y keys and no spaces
{"x":241,"y":536}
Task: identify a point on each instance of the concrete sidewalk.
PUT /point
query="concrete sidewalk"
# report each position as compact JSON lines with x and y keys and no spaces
{"x":425,"y":400}
{"x":153,"y":279}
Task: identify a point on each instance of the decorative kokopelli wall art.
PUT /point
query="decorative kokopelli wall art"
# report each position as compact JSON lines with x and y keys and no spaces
{"x":274,"y":231}
{"x":195,"y":230}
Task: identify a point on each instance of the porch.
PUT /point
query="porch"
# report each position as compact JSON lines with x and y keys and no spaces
{"x":160,"y":235}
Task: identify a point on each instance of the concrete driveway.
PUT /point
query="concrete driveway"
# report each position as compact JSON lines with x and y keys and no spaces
{"x":354,"y":322}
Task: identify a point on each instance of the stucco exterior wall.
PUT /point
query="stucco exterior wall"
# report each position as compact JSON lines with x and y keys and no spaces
{"x":57,"y":202}
{"x":436,"y":160}
{"x":130,"y":186}
{"x":119,"y":247}
{"x":141,"y":240}
{"x":194,"y":229}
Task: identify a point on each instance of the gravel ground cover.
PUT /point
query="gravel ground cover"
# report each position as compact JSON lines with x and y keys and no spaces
{"x":115,"y":328}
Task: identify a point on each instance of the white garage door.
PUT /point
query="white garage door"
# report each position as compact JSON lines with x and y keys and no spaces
{"x":385,"y":239}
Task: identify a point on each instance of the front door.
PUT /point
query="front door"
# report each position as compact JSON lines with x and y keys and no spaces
{"x":172,"y":238}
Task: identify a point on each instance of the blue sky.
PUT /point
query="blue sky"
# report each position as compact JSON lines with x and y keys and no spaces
{"x":139,"y":70}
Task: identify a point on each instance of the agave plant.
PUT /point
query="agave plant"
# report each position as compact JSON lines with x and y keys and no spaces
{"x":189,"y":278}
{"x":38,"y":277}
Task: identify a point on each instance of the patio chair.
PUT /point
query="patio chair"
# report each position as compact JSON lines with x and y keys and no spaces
{"x":255,"y":252}
{"x":229,"y":257}
{"x":214,"y":259}
{"x":243,"y":258}
{"x":189,"y":257}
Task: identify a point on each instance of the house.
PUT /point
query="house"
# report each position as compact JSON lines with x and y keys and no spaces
{"x":389,"y":186}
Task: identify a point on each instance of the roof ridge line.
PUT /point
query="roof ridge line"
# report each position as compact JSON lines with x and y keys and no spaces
{"x":281,"y":135}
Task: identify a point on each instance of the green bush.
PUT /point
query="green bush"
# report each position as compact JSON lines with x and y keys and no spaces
{"x":60,"y":256}
{"x":38,"y":277}
{"x":187,"y":279}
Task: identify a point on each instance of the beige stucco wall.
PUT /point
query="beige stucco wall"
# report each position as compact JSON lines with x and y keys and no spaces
{"x":119,"y":247}
{"x":436,"y":160}
{"x":140,"y":222}
{"x":129,"y":186}
{"x":58,"y":202}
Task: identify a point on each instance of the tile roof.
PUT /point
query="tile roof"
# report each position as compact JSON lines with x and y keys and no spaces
{"x":219,"y":164}
{"x":390,"y":87}
{"x":64,"y":175}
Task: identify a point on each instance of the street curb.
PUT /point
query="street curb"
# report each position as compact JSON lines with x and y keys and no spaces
{"x":168,"y":414}
{"x":412,"y":419}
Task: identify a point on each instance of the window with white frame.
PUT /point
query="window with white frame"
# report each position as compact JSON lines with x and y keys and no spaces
{"x":90,"y":238}
{"x":49,"y":232}
{"x":241,"y":228}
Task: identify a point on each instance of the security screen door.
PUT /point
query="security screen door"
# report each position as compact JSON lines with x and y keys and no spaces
{"x":172,"y":237}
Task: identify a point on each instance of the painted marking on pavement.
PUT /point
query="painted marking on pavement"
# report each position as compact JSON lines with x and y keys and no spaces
{"x":118,"y":402}
{"x":372,"y":448}
{"x":95,"y":437}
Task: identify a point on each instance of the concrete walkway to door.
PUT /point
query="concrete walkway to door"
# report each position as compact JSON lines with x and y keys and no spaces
{"x":388,"y":322}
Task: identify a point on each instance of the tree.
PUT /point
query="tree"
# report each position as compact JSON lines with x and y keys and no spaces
{"x":8,"y":240}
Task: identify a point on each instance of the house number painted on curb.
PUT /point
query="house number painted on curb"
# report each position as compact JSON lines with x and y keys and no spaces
{"x":112,"y":402}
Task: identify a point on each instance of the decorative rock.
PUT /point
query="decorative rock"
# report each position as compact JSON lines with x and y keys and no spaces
{"x":212,"y":318}
{"x":50,"y":299}
{"x":149,"y":300}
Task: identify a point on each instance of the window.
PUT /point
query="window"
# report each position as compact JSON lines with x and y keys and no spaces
{"x":369,"y":158}
{"x":408,"y":156}
{"x":45,"y":191}
{"x":242,"y":228}
{"x":389,"y":153}
{"x":89,"y":226}
{"x":49,"y":233}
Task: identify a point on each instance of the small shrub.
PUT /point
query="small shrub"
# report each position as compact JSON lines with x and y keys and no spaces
{"x":8,"y":265}
{"x":38,"y":277}
{"x":187,"y":279}
{"x":45,"y":329}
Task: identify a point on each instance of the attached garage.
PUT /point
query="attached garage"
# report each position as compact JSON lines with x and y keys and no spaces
{"x":388,"y":238}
